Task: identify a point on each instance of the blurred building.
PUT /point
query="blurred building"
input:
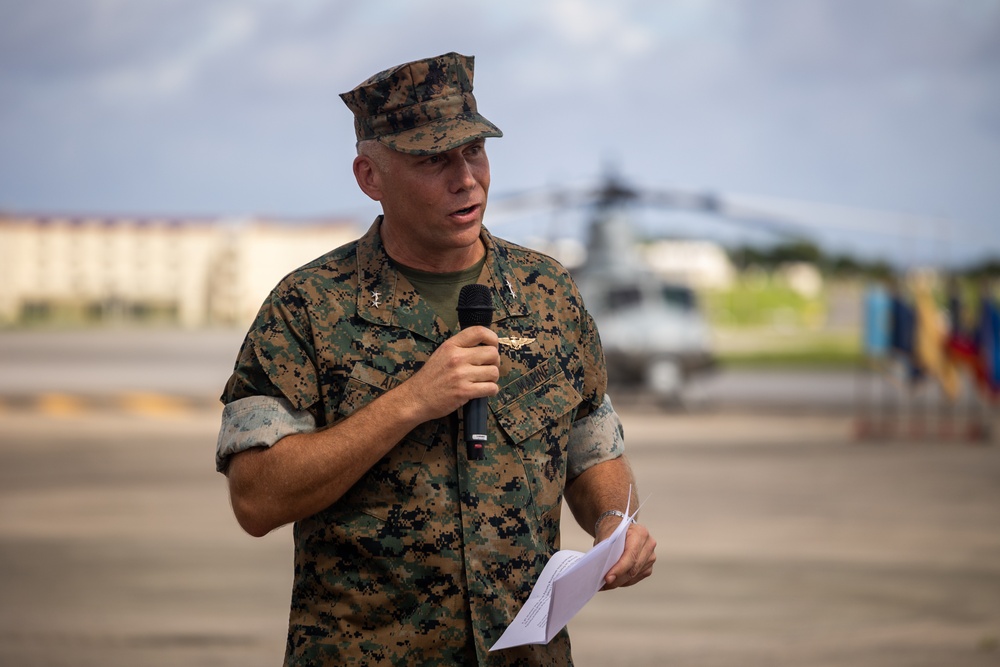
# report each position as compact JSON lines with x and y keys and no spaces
{"x":700,"y":264}
{"x":187,"y":271}
{"x":804,"y":278}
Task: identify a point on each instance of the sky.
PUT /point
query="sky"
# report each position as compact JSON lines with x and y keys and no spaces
{"x":875,"y":124}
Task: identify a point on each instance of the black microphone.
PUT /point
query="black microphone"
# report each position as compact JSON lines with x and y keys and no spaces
{"x":475,"y":308}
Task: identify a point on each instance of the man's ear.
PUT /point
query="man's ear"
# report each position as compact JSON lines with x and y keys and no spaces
{"x":368,"y":177}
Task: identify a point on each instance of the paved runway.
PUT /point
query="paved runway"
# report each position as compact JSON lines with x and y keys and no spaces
{"x":783,"y":541}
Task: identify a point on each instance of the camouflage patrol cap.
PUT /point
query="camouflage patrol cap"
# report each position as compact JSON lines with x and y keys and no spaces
{"x":423,"y":107}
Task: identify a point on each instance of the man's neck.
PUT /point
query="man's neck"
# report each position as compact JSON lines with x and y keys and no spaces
{"x":439,"y":260}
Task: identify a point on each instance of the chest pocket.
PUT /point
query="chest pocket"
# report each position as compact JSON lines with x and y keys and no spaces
{"x":535,"y":412}
{"x":364,"y":386}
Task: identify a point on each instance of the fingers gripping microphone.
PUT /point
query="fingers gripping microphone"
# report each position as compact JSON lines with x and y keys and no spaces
{"x":475,"y":308}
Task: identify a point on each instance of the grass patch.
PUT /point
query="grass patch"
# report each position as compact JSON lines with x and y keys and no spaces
{"x":745,"y":347}
{"x":805,"y":358}
{"x":761,"y":302}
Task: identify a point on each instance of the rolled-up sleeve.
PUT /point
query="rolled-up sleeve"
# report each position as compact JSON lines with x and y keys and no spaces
{"x":596,"y":438}
{"x":257,"y":421}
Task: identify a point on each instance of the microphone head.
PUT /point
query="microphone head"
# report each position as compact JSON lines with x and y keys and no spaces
{"x":475,"y":306}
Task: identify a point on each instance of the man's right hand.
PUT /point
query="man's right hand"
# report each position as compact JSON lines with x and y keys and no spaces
{"x":464,"y":367}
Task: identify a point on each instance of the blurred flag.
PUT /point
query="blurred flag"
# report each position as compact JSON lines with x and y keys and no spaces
{"x":930,"y":339}
{"x":902,"y":336}
{"x":989,"y":344}
{"x":877,"y":322}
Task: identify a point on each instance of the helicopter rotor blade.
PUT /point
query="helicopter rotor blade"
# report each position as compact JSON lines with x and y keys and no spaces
{"x":785,"y":218}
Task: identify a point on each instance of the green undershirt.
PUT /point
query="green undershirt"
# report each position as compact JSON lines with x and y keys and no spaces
{"x":441,"y":290}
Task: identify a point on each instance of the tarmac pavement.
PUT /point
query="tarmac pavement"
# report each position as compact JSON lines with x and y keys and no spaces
{"x":781,"y":542}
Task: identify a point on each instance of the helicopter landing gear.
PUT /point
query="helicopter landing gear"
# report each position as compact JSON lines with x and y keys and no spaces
{"x":665,"y":379}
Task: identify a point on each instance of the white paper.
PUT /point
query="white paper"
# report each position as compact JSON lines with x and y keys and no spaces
{"x":567,"y":582}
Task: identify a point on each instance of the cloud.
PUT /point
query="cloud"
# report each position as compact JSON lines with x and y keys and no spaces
{"x":224,"y":30}
{"x":891,"y":104}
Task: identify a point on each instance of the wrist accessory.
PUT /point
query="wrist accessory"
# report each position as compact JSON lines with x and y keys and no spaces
{"x":604,"y":516}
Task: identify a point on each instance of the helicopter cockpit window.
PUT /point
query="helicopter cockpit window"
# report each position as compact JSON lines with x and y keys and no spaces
{"x":619,"y":298}
{"x":679,"y":297}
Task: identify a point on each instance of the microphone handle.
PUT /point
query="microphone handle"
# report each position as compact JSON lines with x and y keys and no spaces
{"x":475,"y":428}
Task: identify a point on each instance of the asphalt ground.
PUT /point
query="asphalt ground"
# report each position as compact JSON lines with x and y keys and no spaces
{"x":783,"y":539}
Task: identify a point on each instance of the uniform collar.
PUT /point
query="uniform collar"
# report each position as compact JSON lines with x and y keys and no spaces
{"x":387,"y":298}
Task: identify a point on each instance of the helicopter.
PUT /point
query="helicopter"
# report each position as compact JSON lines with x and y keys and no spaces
{"x":655,"y":334}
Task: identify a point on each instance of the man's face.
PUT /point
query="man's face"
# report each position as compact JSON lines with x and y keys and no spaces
{"x":435,"y":203}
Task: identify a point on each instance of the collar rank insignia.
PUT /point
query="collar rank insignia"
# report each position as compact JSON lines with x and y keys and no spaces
{"x":516,"y":343}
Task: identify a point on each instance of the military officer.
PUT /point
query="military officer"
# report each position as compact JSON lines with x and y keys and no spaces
{"x":342,"y":413}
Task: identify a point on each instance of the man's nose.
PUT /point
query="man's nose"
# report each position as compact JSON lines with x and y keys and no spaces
{"x":463,"y":176}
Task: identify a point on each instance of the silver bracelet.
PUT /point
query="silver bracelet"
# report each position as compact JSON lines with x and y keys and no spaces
{"x":611,"y":513}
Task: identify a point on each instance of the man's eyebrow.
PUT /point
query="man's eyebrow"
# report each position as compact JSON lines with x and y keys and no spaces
{"x":414,"y":158}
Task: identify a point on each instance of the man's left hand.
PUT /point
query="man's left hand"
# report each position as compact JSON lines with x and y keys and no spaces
{"x":637,"y":559}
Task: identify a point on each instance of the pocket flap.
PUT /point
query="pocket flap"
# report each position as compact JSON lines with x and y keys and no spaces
{"x":535,"y":400}
{"x":364,"y":386}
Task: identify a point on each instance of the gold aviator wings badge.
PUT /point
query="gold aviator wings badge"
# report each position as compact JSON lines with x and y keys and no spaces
{"x":516,"y":343}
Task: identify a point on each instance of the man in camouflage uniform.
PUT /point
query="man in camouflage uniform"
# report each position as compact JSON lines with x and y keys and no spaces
{"x":342,"y":414}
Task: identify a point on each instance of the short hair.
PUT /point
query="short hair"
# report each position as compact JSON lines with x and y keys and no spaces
{"x":376,"y":152}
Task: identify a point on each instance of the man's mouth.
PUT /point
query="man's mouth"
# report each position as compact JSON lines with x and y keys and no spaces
{"x":465,"y":211}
